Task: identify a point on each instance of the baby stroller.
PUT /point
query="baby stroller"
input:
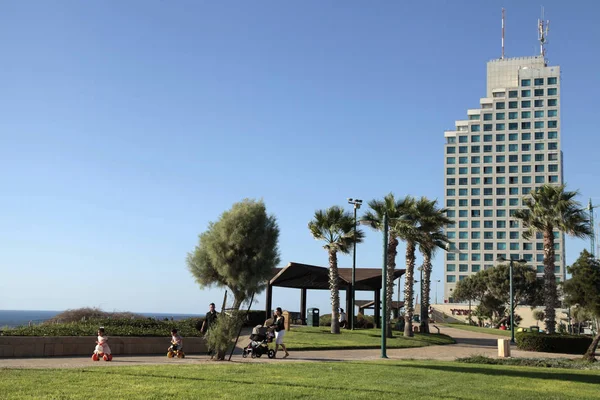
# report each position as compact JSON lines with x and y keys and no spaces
{"x":259,"y":343}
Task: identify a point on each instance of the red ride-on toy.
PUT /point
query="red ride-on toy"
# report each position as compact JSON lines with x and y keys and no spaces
{"x":105,"y":357}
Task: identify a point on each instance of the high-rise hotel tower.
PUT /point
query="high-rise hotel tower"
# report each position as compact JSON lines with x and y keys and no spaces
{"x":501,"y":151}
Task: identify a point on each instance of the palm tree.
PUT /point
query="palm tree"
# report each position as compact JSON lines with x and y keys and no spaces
{"x":396,"y":210}
{"x":432,"y":221}
{"x":336,"y":228}
{"x":550,"y":207}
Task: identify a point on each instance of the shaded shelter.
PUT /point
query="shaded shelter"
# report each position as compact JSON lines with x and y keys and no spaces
{"x":305,"y":276}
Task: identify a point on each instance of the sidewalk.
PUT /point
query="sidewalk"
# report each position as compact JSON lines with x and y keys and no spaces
{"x":468,"y":343}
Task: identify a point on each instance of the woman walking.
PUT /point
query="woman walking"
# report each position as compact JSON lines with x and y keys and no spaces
{"x":279,"y":325}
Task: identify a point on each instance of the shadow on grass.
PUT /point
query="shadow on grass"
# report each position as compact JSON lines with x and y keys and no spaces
{"x":555,"y":375}
{"x":211,"y":381}
{"x":477,"y":342}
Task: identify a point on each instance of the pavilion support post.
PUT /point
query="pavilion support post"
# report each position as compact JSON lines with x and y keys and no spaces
{"x":303,"y":305}
{"x":377,"y":307}
{"x":269,"y":302}
{"x":349,"y":310}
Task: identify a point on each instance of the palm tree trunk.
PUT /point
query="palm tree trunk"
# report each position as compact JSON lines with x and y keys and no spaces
{"x":335,"y":292}
{"x":389,"y":292}
{"x":426,"y":291}
{"x":550,"y":293}
{"x":408,"y":288}
{"x":589,"y":354}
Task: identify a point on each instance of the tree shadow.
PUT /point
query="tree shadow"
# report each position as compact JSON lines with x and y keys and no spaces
{"x":477,"y":342}
{"x":550,"y":375}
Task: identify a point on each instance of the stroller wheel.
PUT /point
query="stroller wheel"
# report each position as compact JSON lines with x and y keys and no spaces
{"x":258,"y":355}
{"x":271,"y":353}
{"x":245,"y":354}
{"x":253,"y":355}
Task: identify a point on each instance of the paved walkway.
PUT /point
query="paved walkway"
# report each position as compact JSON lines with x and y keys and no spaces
{"x":468,"y":343}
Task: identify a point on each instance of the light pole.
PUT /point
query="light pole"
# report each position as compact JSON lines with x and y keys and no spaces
{"x":383,"y":288}
{"x":357,"y":203}
{"x":436,"y":290}
{"x":512,"y":312}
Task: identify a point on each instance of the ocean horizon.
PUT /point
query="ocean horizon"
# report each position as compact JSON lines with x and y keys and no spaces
{"x":14,"y":318}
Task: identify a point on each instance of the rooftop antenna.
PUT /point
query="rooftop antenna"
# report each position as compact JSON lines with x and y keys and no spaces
{"x":503,"y":33}
{"x":543,"y":33}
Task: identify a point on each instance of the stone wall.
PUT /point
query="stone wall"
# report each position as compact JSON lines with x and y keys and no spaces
{"x":56,"y":346}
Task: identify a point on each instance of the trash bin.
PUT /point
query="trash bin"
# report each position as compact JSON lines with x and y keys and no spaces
{"x":312,"y":317}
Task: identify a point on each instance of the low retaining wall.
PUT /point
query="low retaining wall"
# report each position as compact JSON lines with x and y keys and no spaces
{"x":56,"y":346}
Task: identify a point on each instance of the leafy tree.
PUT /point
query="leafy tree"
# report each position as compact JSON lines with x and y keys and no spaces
{"x":239,"y":251}
{"x":396,"y":210}
{"x":432,"y":221}
{"x":335,"y":227}
{"x":539,"y":316}
{"x":491,"y":288}
{"x":548,"y":208}
{"x":584,"y":289}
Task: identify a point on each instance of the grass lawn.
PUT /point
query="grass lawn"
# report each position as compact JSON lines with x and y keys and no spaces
{"x":320,"y":338}
{"x":489,"y":331}
{"x":283,"y":380}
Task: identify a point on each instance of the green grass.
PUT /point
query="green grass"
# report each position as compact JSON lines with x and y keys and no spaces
{"x":320,"y":338}
{"x":489,"y":331}
{"x":293,"y":380}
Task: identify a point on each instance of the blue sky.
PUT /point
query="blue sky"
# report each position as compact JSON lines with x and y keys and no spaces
{"x":127,"y":126}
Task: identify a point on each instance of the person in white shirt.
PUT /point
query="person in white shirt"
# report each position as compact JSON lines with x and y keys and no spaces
{"x":343,"y":321}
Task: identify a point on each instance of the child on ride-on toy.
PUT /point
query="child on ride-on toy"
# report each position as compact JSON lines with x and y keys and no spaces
{"x":176,"y":345}
{"x":102,"y":350}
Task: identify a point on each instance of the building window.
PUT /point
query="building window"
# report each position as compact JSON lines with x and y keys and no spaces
{"x":450,"y":192}
{"x":539,"y":124}
{"x":450,"y":171}
{"x":539,"y":179}
{"x":450,"y":150}
{"x":538,"y":92}
{"x":499,"y":148}
{"x":513,"y":191}
{"x":526,"y":147}
{"x":487,"y":138}
{"x":526,"y":104}
{"x":551,"y":92}
{"x":525,"y":93}
{"x":474,"y":149}
{"x":475,"y":138}
{"x":500,"y":213}
{"x":552,"y":80}
{"x":500,"y":235}
{"x":526,"y":157}
{"x":552,"y":102}
{"x":513,"y":136}
{"x":513,"y":93}
{"x":526,"y":114}
{"x":539,"y":135}
{"x":487,"y":117}
{"x":500,"y":180}
{"x":513,"y":115}
{"x":513,"y":158}
{"x":451,"y":278}
{"x":525,"y":82}
{"x":487,"y":170}
{"x":538,"y":81}
{"x":475,"y":159}
{"x":553,"y":146}
{"x":500,"y":169}
{"x":552,"y":113}
{"x":500,"y":105}
{"x":463,"y":181}
{"x":500,"y":246}
{"x":514,"y":246}
{"x":538,"y":103}
{"x":513,"y":169}
{"x":552,"y":124}
{"x":539,"y":146}
{"x":475,"y":170}
{"x":487,"y":159}
{"x":500,"y":191}
{"x":513,"y":104}
{"x":513,"y":202}
{"x":500,"y":137}
{"x":463,"y":149}
{"x":526,"y":136}
{"x":463,"y":170}
{"x":500,"y":116}
{"x":487,"y":127}
{"x":524,"y":191}
{"x":553,"y":157}
{"x":450,"y":181}
{"x":463,"y":139}
{"x":463,"y":160}
{"x":513,"y":147}
{"x":553,"y":168}
{"x":500,"y":159}
{"x":487,"y":202}
{"x":526,"y":179}
{"x":499,"y":127}
{"x":474,"y":117}
{"x":450,"y":203}
{"x":526,"y":169}
{"x":525,"y":125}
{"x":475,"y":128}
{"x":553,"y":179}
{"x":539,"y":114}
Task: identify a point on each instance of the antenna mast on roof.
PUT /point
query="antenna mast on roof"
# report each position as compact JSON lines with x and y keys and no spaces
{"x":543,"y":33}
{"x":503,"y":33}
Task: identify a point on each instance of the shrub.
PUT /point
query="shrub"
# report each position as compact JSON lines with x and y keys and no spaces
{"x":365,"y":321}
{"x":566,"y":344}
{"x":89,"y":313}
{"x":220,"y":336}
{"x":325,"y":320}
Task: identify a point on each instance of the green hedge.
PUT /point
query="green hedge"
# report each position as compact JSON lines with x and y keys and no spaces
{"x":566,"y":344}
{"x":113,"y":327}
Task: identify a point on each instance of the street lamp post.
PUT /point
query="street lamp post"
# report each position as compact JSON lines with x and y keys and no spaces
{"x":357,"y":203}
{"x":383,"y":289}
{"x":512,"y":312}
{"x":436,"y":290}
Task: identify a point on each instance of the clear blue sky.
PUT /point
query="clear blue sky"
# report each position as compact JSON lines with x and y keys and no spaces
{"x":127,"y":126}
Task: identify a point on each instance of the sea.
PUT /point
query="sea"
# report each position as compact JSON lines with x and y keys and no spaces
{"x":13,"y":318}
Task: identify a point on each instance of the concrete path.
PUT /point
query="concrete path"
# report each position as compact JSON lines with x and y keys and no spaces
{"x":468,"y":343}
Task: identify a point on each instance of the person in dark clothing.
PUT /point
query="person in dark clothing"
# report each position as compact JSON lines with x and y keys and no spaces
{"x":279,"y":325}
{"x":210,"y":319}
